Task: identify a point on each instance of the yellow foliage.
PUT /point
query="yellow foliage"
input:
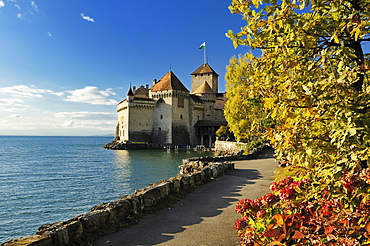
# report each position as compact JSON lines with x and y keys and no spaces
{"x":312,"y":80}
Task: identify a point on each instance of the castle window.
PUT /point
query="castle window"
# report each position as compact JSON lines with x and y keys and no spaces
{"x":161,"y":116}
{"x":181,"y":116}
{"x":180,"y":102}
{"x":159,"y":129}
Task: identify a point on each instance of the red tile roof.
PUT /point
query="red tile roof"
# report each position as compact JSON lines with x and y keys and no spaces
{"x":204,"y":89}
{"x":169,"y":82}
{"x":142,"y":92}
{"x":204,"y":68}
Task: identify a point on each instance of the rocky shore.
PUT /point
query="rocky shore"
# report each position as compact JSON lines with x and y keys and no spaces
{"x":116,"y":145}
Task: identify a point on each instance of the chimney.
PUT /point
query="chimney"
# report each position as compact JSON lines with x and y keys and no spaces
{"x":147,"y":86}
{"x":134,"y":88}
{"x":154,"y":81}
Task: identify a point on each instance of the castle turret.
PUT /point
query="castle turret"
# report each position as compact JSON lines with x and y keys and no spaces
{"x":204,"y":74}
{"x":171,"y":124}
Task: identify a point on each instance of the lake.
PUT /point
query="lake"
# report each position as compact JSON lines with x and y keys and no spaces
{"x":49,"y":179}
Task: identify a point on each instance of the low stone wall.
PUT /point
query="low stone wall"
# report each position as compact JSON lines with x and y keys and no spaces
{"x":196,"y":164}
{"x":108,"y":217}
{"x":229,"y":148}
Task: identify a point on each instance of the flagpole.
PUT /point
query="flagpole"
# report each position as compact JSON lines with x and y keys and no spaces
{"x":204,"y":59}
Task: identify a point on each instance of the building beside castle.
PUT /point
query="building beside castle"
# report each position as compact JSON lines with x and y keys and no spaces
{"x":168,"y":113}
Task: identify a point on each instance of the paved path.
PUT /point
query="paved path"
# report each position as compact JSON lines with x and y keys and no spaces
{"x":204,"y":217}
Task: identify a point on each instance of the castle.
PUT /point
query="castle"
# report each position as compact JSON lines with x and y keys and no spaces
{"x":168,"y":114}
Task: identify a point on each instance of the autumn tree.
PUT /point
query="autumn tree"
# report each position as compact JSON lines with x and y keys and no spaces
{"x":312,"y":76}
{"x":244,"y":109}
{"x":225,"y":133}
{"x":313,"y":80}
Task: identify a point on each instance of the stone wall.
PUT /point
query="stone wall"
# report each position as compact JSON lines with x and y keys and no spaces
{"x":107,"y":217}
{"x":117,"y":145}
{"x":229,"y":148}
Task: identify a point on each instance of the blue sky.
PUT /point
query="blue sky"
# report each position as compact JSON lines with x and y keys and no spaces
{"x":65,"y":64}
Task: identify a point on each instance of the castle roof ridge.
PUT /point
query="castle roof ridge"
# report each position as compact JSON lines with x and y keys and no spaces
{"x":204,"y":68}
{"x":204,"y":88}
{"x":169,"y":82}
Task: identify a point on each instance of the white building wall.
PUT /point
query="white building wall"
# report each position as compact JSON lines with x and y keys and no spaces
{"x":123,"y":121}
{"x":162,"y":119}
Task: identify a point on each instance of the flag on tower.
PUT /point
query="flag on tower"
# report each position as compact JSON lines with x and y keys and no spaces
{"x":202,"y":46}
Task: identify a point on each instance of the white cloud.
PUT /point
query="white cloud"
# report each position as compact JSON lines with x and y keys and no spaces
{"x":20,"y":16}
{"x":2,"y":4}
{"x":11,"y":101}
{"x":88,"y":18}
{"x":27,"y":91}
{"x":48,"y":112}
{"x":17,"y":6}
{"x":12,"y":105}
{"x":92,"y":95}
{"x":69,"y":123}
{"x":49,"y":34}
{"x":15,"y":116}
{"x":86,"y":115}
{"x":34,"y":6}
{"x":59,"y":94}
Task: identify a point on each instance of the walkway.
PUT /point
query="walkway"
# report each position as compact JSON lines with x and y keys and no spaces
{"x":204,"y":217}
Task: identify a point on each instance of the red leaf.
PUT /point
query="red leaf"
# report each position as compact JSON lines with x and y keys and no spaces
{"x":329,"y":229}
{"x":272,"y":233}
{"x":298,"y":235}
{"x":367,"y":226}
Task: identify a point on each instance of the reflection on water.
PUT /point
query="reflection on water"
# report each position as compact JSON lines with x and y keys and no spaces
{"x":138,"y":168}
{"x":49,"y":179}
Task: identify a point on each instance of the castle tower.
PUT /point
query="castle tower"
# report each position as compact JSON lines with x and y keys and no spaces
{"x":204,"y":74}
{"x":171,"y":124}
{"x":208,"y":96}
{"x":135,"y":115}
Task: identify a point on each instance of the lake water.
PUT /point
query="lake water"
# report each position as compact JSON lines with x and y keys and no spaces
{"x":49,"y":179}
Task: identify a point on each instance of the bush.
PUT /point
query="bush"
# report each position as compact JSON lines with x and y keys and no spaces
{"x":308,"y":211}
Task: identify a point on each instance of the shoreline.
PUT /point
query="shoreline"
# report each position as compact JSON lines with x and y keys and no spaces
{"x":108,"y":217}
